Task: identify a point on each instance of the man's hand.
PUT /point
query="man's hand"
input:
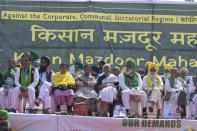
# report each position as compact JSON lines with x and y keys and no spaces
{"x":177,"y":91}
{"x":101,"y":86}
{"x":22,"y":88}
{"x":5,"y":86}
{"x":150,"y":92}
{"x":64,"y":86}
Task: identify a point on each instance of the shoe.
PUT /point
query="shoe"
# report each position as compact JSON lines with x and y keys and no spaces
{"x":89,"y":113}
{"x":37,"y":102}
{"x":46,"y":111}
{"x":179,"y":110}
{"x":145,"y":115}
{"x":104,"y":115}
{"x":158,"y":114}
{"x":69,"y":109}
{"x":12,"y":110}
{"x":58,"y":108}
{"x":32,"y":111}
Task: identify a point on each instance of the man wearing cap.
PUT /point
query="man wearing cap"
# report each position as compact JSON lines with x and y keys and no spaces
{"x":95,"y":72}
{"x":6,"y":91}
{"x":153,"y":85}
{"x":173,"y":87}
{"x":146,"y":67}
{"x":26,"y":80}
{"x":101,"y":64}
{"x":131,"y":83}
{"x":45,"y":84}
{"x":34,"y":57}
{"x":116,"y":71}
{"x":166,"y":73}
{"x":78,"y":69}
{"x":4,"y":123}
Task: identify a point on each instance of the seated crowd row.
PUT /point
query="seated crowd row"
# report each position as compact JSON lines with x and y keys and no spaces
{"x":175,"y":92}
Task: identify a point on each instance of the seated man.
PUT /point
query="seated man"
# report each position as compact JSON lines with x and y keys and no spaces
{"x":85,"y":83}
{"x":34,"y":57}
{"x":4,"y":123}
{"x":62,"y":92}
{"x":173,"y":89}
{"x":116,"y":71}
{"x":95,"y":72}
{"x":192,"y":103}
{"x":26,"y":80}
{"x":182,"y":96}
{"x":78,"y":70}
{"x":45,"y":84}
{"x":107,"y":90}
{"x":153,"y":85}
{"x":166,"y":73}
{"x":6,"y":95}
{"x":131,"y":84}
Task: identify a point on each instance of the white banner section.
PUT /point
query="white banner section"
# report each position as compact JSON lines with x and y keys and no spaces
{"x":76,"y":123}
{"x":27,"y":122}
{"x":36,"y":122}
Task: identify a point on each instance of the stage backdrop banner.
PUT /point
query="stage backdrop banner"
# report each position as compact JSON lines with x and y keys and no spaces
{"x":28,"y":122}
{"x":76,"y":123}
{"x":91,"y":32}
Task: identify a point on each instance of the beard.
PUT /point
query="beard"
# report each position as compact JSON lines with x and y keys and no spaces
{"x":166,"y":76}
{"x":4,"y":126}
{"x":128,"y":71}
{"x":152,"y":75}
{"x":43,"y":69}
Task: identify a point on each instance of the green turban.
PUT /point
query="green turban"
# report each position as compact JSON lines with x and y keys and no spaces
{"x":80,"y":65}
{"x":131,"y":76}
{"x":4,"y":113}
{"x":34,"y":55}
{"x":131,"y":63}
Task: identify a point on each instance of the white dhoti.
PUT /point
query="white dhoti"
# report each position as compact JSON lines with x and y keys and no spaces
{"x":108,"y":94}
{"x":138,"y":95}
{"x":44,"y":94}
{"x":6,"y":97}
{"x":171,"y":106}
{"x":192,"y":108}
{"x":18,"y":101}
{"x":156,"y":97}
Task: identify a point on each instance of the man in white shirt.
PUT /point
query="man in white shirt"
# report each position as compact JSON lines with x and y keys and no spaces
{"x":153,"y":85}
{"x":26,"y":80}
{"x":45,"y":84}
{"x":107,"y":90}
{"x":131,"y":84}
{"x":173,"y":87}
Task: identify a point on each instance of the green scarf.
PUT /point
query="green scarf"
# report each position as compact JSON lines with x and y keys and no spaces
{"x":25,"y":82}
{"x":7,"y":74}
{"x":131,"y":76}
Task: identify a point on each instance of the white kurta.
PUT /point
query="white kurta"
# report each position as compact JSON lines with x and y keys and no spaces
{"x":45,"y":90}
{"x":31,"y":90}
{"x":171,"y":105}
{"x":155,"y":95}
{"x":138,"y":95}
{"x":84,"y":91}
{"x":191,"y":105}
{"x":109,"y":93}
